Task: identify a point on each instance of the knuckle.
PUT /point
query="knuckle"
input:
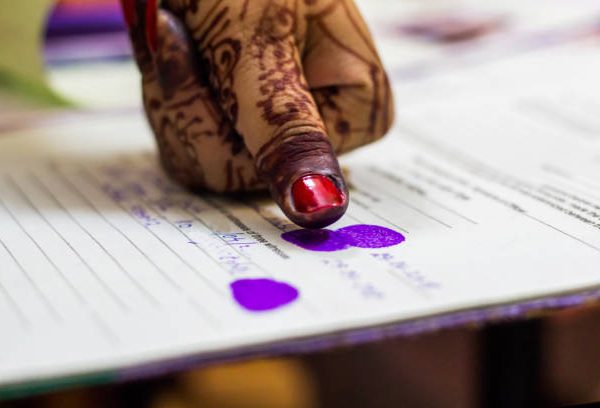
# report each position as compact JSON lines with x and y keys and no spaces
{"x":370,"y":108}
{"x":292,"y":151}
{"x":207,"y":164}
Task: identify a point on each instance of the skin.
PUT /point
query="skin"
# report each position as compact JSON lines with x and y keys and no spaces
{"x":246,"y":95}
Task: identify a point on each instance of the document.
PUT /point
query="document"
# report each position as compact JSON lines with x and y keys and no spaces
{"x":482,"y":201}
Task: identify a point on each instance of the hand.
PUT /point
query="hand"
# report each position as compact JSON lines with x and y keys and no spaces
{"x":248,"y":94}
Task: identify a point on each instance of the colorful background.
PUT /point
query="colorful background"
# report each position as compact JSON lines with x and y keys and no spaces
{"x":85,"y":16}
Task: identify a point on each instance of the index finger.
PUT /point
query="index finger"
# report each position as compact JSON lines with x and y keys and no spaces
{"x":255,"y":68}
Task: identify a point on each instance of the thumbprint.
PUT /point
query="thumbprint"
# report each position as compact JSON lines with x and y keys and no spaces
{"x":359,"y":236}
{"x":317,"y":240}
{"x":370,"y":236}
{"x":259,"y":295}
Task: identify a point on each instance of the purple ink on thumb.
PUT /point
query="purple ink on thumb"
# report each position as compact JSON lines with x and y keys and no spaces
{"x":258,"y":295}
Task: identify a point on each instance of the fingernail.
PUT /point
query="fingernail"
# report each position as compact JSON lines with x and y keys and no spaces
{"x":151,"y":24}
{"x":129,"y":12}
{"x":316,"y":192}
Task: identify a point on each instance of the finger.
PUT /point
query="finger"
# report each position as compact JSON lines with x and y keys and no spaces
{"x":284,"y":131}
{"x":142,"y":23}
{"x":258,"y":77}
{"x":346,"y":76}
{"x":198,"y":147}
{"x":140,"y":16}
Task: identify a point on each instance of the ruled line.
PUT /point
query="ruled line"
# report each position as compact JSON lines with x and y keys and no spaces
{"x":451,"y":210}
{"x":162,"y":273}
{"x":412,"y":207}
{"x":93,"y":207}
{"x":418,"y":210}
{"x":187,"y":237}
{"x":119,"y":265}
{"x":167,"y":246}
{"x":82,"y":300}
{"x":23,"y":320}
{"x":107,"y":289}
{"x":53,"y":312}
{"x":431,"y":200}
{"x":204,"y":312}
{"x":562,"y":232}
{"x":359,"y":221}
{"x":74,"y":290}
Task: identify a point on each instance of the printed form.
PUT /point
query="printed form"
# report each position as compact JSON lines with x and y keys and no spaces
{"x":471,"y":202}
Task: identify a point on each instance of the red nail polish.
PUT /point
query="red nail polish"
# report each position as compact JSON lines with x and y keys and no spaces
{"x":151,"y":24}
{"x":316,"y":192}
{"x":128,"y":7}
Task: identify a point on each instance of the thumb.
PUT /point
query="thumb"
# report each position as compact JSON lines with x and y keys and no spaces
{"x":304,"y":177}
{"x":291,"y":149}
{"x":259,"y":82}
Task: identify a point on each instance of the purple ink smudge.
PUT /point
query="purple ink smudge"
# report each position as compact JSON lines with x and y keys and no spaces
{"x":322,"y":240}
{"x":359,"y":236}
{"x":370,"y":236}
{"x":258,"y":295}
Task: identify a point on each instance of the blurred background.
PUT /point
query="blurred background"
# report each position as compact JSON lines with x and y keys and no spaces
{"x":88,"y":68}
{"x":88,"y":36}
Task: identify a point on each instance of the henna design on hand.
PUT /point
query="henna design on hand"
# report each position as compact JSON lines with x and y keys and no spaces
{"x":244,"y":92}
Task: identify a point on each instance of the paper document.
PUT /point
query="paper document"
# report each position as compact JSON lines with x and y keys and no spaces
{"x":105,"y":265}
